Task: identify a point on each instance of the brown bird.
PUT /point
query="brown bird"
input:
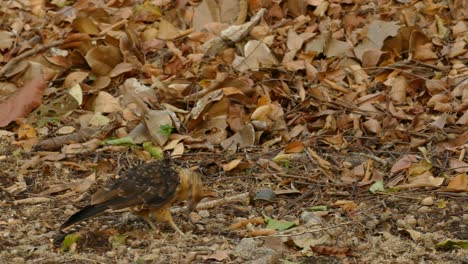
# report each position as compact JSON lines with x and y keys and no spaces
{"x":149,"y":190}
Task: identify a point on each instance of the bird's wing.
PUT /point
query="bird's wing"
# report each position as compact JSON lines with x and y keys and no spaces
{"x":152,"y":184}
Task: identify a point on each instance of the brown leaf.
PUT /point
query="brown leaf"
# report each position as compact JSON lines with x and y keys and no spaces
{"x":398,"y":91}
{"x":21,"y":103}
{"x":403,"y":163}
{"x":459,"y":183}
{"x":231,"y":165}
{"x":294,"y":147}
{"x":85,"y":25}
{"x":218,"y":256}
{"x":340,"y":252}
{"x":261,"y":232}
{"x":244,"y":222}
{"x":102,"y":59}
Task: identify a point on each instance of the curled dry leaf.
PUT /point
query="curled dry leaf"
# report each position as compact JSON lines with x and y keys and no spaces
{"x":102,"y":59}
{"x":231,"y":165}
{"x":106,"y":103}
{"x":458,"y":165}
{"x":23,"y":101}
{"x":244,"y":138}
{"x":261,"y":232}
{"x":403,"y":163}
{"x":82,"y":148}
{"x":256,"y":55}
{"x":294,"y":147}
{"x":244,"y":222}
{"x":423,"y":180}
{"x":459,"y":183}
{"x":340,"y":252}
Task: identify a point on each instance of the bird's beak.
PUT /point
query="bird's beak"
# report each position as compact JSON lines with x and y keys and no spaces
{"x":209,"y":194}
{"x":192,"y":203}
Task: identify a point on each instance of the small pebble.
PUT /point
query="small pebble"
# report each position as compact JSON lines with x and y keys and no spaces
{"x":194,"y":217}
{"x":385,"y":216}
{"x":220,"y":216}
{"x":372,"y":224}
{"x":204,"y":213}
{"x":310,"y":217}
{"x":269,"y":210}
{"x":69,"y":212}
{"x":465,"y":219}
{"x":18,"y":260}
{"x":134,"y":243}
{"x":111,"y":254}
{"x":428,"y":201}
{"x":410,"y":220}
{"x":363,"y":246}
{"x":347,"y":164}
{"x":421,"y":222}
{"x":401,"y":223}
{"x":281,"y":211}
{"x":424,"y":210}
{"x":121,"y":249}
{"x":335,"y":232}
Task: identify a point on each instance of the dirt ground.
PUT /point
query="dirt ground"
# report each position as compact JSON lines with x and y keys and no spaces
{"x":401,"y":227}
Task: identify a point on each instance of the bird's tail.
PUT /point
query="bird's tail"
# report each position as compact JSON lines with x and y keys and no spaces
{"x":83,"y":214}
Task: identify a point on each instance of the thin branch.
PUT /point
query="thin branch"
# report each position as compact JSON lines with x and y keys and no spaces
{"x":29,"y":53}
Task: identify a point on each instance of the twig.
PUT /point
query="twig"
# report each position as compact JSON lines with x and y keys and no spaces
{"x":374,"y":158}
{"x":29,"y":53}
{"x":215,"y":203}
{"x":243,"y":5}
{"x":32,"y":200}
{"x":284,"y":234}
{"x":111,"y":27}
{"x":453,"y":194}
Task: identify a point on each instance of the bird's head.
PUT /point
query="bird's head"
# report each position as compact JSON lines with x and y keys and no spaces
{"x":196,"y":192}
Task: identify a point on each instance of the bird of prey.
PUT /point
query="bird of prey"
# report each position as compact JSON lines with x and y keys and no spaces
{"x":147,"y":190}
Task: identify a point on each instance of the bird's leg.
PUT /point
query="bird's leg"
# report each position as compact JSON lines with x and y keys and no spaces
{"x":164,"y":215}
{"x":173,"y":225}
{"x":151,"y":224}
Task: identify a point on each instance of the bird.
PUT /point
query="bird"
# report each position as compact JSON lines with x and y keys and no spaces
{"x":148,"y":190}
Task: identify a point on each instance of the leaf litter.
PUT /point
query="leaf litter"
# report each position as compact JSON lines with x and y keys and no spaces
{"x":359,"y":108}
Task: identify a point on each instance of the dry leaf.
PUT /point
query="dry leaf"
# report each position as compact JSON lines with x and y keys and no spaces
{"x":403,"y":163}
{"x":23,"y":101}
{"x":231,"y":165}
{"x":459,"y":183}
{"x":294,"y":147}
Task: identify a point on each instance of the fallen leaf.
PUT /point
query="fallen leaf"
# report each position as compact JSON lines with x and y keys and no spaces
{"x":459,"y":183}
{"x":231,"y":165}
{"x":403,"y":163}
{"x":22,"y":102}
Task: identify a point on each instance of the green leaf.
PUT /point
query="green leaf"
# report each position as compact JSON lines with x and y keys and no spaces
{"x":318,"y":208}
{"x":156,"y":152}
{"x":452,"y":243}
{"x":284,"y":261}
{"x":165,"y":130}
{"x":378,"y":186}
{"x":279,"y":225}
{"x":69,"y":240}
{"x":118,"y":141}
{"x":118,"y":240}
